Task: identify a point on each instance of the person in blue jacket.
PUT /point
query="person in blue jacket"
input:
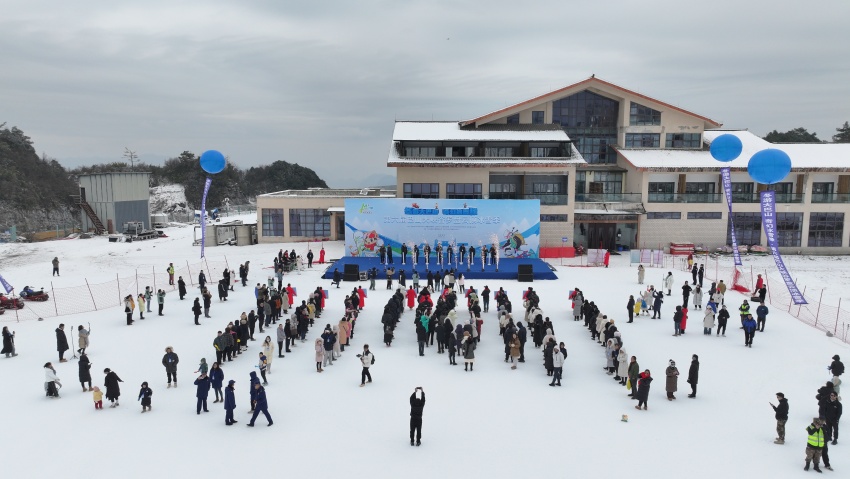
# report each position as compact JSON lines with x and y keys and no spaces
{"x":229,"y":403}
{"x":761,"y":314}
{"x":750,"y":327}
{"x":203,"y":383}
{"x":254,"y":381}
{"x":260,"y":405}
{"x":216,"y":380}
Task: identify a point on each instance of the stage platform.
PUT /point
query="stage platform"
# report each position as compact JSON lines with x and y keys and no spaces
{"x":507,"y":268}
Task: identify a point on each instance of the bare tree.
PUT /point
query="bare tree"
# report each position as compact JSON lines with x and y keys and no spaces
{"x":131,"y":156}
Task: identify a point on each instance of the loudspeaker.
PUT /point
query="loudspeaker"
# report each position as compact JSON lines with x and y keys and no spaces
{"x":525,"y":273}
{"x":351,"y":272}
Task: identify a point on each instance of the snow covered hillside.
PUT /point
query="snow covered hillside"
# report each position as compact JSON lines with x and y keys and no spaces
{"x":492,"y":422}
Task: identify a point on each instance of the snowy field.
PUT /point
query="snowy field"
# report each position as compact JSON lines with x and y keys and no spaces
{"x":493,"y":422}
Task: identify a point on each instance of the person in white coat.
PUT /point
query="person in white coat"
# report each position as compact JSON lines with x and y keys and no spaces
{"x":366,"y":360}
{"x":641,"y":273}
{"x":708,"y":320}
{"x":622,"y":365}
{"x":668,"y":282}
{"x":698,"y":297}
{"x":51,"y":381}
{"x":268,"y":350}
{"x":558,"y":357}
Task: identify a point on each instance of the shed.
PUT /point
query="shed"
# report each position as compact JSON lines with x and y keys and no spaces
{"x":108,"y":200}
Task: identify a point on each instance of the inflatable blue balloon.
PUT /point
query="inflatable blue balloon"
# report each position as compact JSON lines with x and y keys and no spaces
{"x":726,"y":147}
{"x":213,"y":161}
{"x":769,"y":166}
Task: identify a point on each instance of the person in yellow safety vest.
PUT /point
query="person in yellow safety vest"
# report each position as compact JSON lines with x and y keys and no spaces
{"x":744,"y":310}
{"x":814,"y":446}
{"x":170,"y":274}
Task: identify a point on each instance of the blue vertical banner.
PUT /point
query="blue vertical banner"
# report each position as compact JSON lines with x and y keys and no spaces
{"x":768,"y":219}
{"x":204,"y":215}
{"x":727,"y":189}
{"x":8,"y":287}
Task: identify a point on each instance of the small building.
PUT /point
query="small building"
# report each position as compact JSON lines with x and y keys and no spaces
{"x":108,"y":200}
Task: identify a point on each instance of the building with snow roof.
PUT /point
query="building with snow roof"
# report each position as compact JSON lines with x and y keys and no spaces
{"x":613,"y":168}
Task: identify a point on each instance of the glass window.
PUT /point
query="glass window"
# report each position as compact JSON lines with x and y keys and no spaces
{"x":462,"y":151}
{"x":421,"y":190}
{"x":683,"y":140}
{"x":545,"y":151}
{"x":272,"y":221}
{"x":503,"y":191}
{"x":789,"y":229}
{"x":643,"y":115}
{"x":596,"y":149}
{"x":420,"y":151}
{"x":643,"y":140}
{"x":463,"y":190}
{"x":612,"y":182}
{"x":580,"y":181}
{"x":554,"y":218}
{"x":822,"y":192}
{"x":705,"y":215}
{"x":546,"y":188}
{"x":664,"y":215}
{"x":309,"y":222}
{"x":826,"y":229}
{"x":742,"y":192}
{"x":537,"y":117}
{"x":585,"y":110}
{"x":661,"y":187}
{"x":498,"y":151}
{"x":513,"y":119}
{"x":747,"y":228}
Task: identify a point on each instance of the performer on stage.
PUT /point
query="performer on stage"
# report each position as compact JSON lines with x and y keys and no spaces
{"x":403,"y":253}
{"x":415,"y":254}
{"x":462,"y":252}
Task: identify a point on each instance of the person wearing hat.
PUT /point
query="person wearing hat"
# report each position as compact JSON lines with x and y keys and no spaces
{"x":832,"y":414}
{"x":229,"y":403}
{"x":781,"y":415}
{"x":261,"y":405}
{"x":643,"y":389}
{"x":837,"y":368}
{"x":169,"y":361}
{"x":672,"y":382}
{"x":203,"y":382}
{"x":145,"y":394}
{"x":814,"y":444}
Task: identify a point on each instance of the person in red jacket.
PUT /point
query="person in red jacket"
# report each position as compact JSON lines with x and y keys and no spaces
{"x":684,"y":321}
{"x":411,"y":297}
{"x":361,"y":293}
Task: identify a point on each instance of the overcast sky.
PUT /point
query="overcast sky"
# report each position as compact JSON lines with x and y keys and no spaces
{"x":320,"y":83}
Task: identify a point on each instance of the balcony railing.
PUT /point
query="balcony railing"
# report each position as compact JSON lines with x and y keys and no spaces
{"x":830,"y":198}
{"x":685,"y":197}
{"x":548,"y":199}
{"x":609,"y":197}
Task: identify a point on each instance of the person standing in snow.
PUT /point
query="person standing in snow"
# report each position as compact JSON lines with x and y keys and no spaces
{"x":641,"y":273}
{"x":207,"y":302}
{"x":141,"y":302}
{"x":202,"y":279}
{"x":749,"y":327}
{"x":814,"y":444}
{"x":145,"y":394}
{"x":148,"y":297}
{"x":698,"y":297}
{"x":51,"y":381}
{"x":216,"y":380}
{"x":181,"y":288}
{"x":781,"y":414}
{"x":417,"y":404}
{"x":320,"y":354}
{"x":722,"y":319}
{"x":671,"y":386}
{"x":558,"y":356}
{"x":837,"y":368}
{"x":160,"y":300}
{"x":693,"y":376}
{"x":229,"y":403}
{"x":55,"y":266}
{"x":634,"y":376}
{"x":261,"y":405}
{"x":367,"y":359}
{"x":113,"y":389}
{"x":61,"y":343}
{"x":468,"y":349}
{"x":8,"y":343}
{"x":686,"y":293}
{"x":203,"y":382}
{"x":644,"y":381}
{"x":656,"y":304}
{"x":169,"y":361}
{"x":263,"y":363}
{"x":832,"y":414}
{"x":761,"y":314}
{"x":84,"y":371}
{"x":668,"y":282}
{"x":170,"y":271}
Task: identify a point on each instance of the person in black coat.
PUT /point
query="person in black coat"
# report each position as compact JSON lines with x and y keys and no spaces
{"x":686,"y":292}
{"x":196,"y":310}
{"x":145,"y":394}
{"x":832,"y":414}
{"x":656,"y":305}
{"x":643,"y":389}
{"x":181,"y":287}
{"x":522,"y":334}
{"x":113,"y":389}
{"x":837,"y":367}
{"x":229,"y":403}
{"x":630,"y":307}
{"x":337,"y":278}
{"x":61,"y":343}
{"x":85,"y":371}
{"x":203,"y":382}
{"x":261,"y":405}
{"x":417,"y":404}
{"x":694,"y":273}
{"x":781,"y":417}
{"x":722,"y":318}
{"x":693,"y":376}
{"x":823,"y":396}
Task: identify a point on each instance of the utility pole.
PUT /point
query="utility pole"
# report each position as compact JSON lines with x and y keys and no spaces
{"x":130,"y":155}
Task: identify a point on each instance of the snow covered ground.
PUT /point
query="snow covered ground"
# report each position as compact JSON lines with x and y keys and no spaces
{"x":492,"y":422}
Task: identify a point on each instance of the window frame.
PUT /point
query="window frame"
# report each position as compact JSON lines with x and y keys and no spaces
{"x":270,"y":228}
{"x":408,"y":190}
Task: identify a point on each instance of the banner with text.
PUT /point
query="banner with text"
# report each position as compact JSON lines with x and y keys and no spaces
{"x":8,"y":287}
{"x":768,"y":219}
{"x":727,"y":189}
{"x":391,"y":222}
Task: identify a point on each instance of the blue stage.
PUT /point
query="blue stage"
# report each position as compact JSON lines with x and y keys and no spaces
{"x":507,"y":268}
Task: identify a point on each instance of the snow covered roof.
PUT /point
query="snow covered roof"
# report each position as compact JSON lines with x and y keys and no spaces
{"x":394,"y":160}
{"x":451,"y":131}
{"x":804,"y":156}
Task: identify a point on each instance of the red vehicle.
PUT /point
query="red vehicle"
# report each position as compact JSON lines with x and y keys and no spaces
{"x":30,"y":294}
{"x":10,"y":303}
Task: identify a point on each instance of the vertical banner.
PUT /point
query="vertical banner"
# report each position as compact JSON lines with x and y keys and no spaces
{"x":727,"y":189}
{"x":204,"y":215}
{"x":768,"y":219}
{"x":8,"y":287}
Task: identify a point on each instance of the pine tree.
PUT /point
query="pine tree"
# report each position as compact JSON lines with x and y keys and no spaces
{"x":843,"y":134}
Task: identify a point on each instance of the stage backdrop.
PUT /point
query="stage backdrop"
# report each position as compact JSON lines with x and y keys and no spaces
{"x":372,"y":222}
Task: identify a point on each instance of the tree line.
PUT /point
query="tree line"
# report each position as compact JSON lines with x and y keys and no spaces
{"x":802,"y":135}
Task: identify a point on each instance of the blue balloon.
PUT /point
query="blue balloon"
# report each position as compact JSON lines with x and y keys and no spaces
{"x":769,"y":166}
{"x":213,"y":161}
{"x":726,"y":147}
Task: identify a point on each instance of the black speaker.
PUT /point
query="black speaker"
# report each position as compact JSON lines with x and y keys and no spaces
{"x":351,"y":272}
{"x":525,"y":273}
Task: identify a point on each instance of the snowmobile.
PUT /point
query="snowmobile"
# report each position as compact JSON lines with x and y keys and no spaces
{"x":30,"y":294}
{"x":10,"y":302}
